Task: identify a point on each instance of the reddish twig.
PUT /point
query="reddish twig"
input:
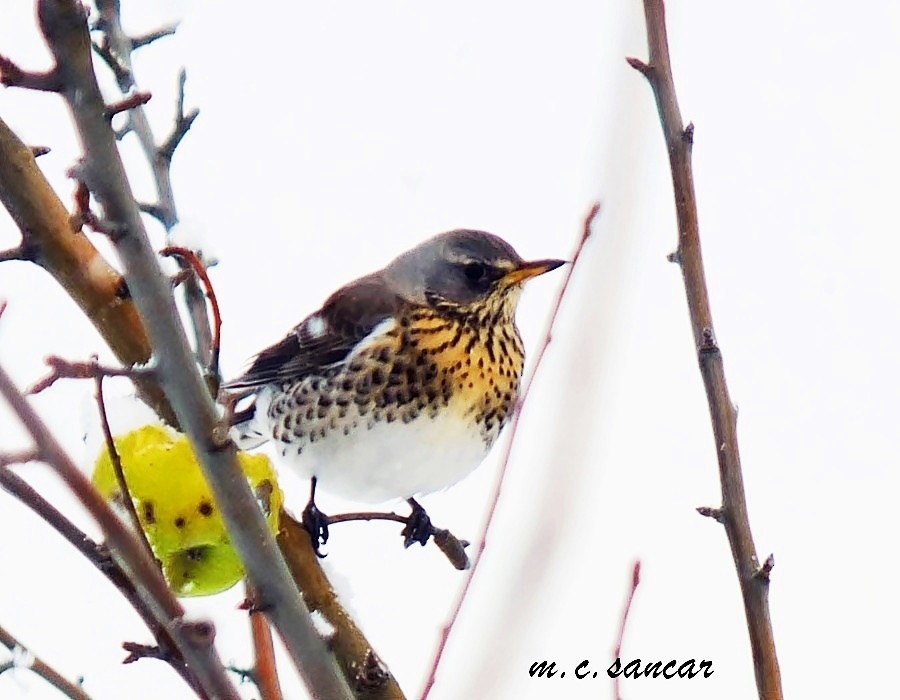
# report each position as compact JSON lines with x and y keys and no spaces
{"x":193,"y":261}
{"x":733,"y":513}
{"x":504,"y":462}
{"x":265,"y":670}
{"x":63,"y":369}
{"x":635,"y":580}
{"x":13,"y":76}
{"x":128,"y":103}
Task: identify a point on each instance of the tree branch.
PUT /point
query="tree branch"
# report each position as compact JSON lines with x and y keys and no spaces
{"x":137,"y":564}
{"x":119,"y":47}
{"x":44,"y":670}
{"x":365,"y":673}
{"x":100,"y":557}
{"x":51,"y":241}
{"x":65,"y":28}
{"x":733,"y":513}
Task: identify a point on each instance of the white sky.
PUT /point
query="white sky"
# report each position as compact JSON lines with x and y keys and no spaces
{"x":333,"y":137}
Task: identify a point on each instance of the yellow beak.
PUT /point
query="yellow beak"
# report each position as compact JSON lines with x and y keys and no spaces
{"x":527,"y":270}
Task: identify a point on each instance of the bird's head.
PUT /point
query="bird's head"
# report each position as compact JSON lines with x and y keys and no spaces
{"x":466,"y":270}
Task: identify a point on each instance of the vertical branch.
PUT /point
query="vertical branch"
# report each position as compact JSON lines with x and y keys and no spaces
{"x":753,"y":578}
{"x":117,"y":49}
{"x":64,"y":26}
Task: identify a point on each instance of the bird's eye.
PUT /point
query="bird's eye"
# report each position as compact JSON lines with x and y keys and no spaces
{"x":475,"y":272}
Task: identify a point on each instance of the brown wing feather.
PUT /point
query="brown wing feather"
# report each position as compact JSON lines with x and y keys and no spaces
{"x":349,"y":315}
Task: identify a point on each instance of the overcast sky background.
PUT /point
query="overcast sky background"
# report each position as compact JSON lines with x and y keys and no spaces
{"x":333,"y":137}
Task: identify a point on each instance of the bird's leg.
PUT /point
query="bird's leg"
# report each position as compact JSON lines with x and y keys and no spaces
{"x":418,"y":525}
{"x":315,"y":522}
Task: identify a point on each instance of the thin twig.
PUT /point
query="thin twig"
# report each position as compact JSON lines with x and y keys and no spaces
{"x":452,"y":547}
{"x":135,"y":99}
{"x":13,"y":76}
{"x":192,"y":260}
{"x":20,"y":252}
{"x":140,"y":568}
{"x":43,"y":669}
{"x":265,"y":671}
{"x":148,"y":38}
{"x":635,"y":580}
{"x":64,"y":369}
{"x":21,"y":457}
{"x":733,"y":513}
{"x":505,"y":459}
{"x":116,"y":460}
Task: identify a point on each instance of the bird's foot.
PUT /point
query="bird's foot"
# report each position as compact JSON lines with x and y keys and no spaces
{"x":315,"y":522}
{"x":418,"y":526}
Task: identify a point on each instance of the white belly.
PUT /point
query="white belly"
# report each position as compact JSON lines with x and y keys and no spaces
{"x":382,"y":461}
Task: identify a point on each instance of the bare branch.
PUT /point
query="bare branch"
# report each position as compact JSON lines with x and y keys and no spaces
{"x":138,"y":42}
{"x":68,"y":255}
{"x":365,"y":672}
{"x":22,"y":457}
{"x":13,"y":76}
{"x":66,"y":31}
{"x":20,"y":252}
{"x":44,"y":670}
{"x":265,"y":671}
{"x":63,"y":369}
{"x":452,"y":547}
{"x":136,"y":99}
{"x":585,"y":234}
{"x":733,"y":513}
{"x":122,"y":73}
{"x":183,"y":123}
{"x":139,"y":567}
{"x":116,"y":461}
{"x":100,"y":557}
{"x":194,"y":263}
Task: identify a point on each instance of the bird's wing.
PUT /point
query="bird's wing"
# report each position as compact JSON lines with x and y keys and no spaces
{"x":324,"y":338}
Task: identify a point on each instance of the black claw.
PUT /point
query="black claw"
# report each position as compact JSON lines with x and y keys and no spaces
{"x":418,"y":526}
{"x":315,"y":522}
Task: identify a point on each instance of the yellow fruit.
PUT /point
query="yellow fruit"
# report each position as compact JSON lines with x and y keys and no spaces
{"x":176,"y":507}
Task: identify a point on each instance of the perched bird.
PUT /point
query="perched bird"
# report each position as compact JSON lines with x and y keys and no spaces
{"x":401,"y":382}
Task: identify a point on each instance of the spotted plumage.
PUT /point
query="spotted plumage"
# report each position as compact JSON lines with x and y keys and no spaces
{"x":403,"y":380}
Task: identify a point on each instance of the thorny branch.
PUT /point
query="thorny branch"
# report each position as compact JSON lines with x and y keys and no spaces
{"x":754,"y":580}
